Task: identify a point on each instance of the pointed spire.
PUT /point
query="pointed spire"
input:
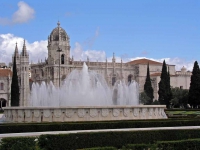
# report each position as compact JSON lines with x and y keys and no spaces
{"x":113,"y":59}
{"x":24,"y":52}
{"x":58,"y":23}
{"x":16,"y":54}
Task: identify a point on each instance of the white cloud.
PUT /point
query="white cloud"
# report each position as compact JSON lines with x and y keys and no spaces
{"x":22,"y":15}
{"x":79,"y":54}
{"x":37,"y":50}
{"x":95,"y":55}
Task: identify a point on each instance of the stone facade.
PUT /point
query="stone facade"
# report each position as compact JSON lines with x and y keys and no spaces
{"x":5,"y":86}
{"x":60,"y":64}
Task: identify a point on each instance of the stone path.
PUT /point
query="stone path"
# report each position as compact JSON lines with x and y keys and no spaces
{"x":36,"y":134}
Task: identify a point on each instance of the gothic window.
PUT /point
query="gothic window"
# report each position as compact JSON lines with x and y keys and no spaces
{"x":2,"y":86}
{"x":42,"y":72}
{"x":130,"y":78}
{"x":62,"y":59}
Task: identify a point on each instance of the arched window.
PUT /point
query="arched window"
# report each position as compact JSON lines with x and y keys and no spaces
{"x":130,"y":78}
{"x":2,"y":86}
{"x":62,"y":59}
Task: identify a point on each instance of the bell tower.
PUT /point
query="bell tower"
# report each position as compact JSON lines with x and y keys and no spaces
{"x":58,"y":46}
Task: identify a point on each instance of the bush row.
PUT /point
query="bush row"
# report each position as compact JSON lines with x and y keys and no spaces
{"x":18,"y":143}
{"x":39,"y":127}
{"x":114,"y":139}
{"x":191,"y":144}
{"x":163,"y":139}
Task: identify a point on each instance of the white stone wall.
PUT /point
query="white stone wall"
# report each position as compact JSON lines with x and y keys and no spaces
{"x":5,"y":93}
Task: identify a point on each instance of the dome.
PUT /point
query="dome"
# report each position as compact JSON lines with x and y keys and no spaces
{"x":58,"y":34}
{"x":183,"y":69}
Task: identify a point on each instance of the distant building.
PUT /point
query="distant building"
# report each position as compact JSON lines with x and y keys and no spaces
{"x":5,"y":86}
{"x":59,"y":55}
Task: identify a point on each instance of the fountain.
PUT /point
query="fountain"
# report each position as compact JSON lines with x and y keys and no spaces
{"x":84,"y":96}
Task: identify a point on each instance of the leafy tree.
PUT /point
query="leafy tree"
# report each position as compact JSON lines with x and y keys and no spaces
{"x":155,"y":102}
{"x":148,"y":87}
{"x":194,"y":91}
{"x":144,"y":99}
{"x":179,"y":97}
{"x":164,"y":87}
{"x":14,"y":86}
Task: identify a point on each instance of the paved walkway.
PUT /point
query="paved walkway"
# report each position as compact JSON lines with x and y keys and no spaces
{"x":36,"y":134}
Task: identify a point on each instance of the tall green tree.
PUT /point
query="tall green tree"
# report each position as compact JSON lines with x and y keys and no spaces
{"x":194,"y":91}
{"x":148,"y":87}
{"x":164,"y":91}
{"x":168,"y":89}
{"x":179,"y":97}
{"x":14,"y":86}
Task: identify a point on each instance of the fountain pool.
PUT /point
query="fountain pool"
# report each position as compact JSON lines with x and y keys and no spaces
{"x":84,"y":96}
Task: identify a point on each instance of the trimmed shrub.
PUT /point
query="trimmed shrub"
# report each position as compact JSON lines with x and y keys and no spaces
{"x":137,"y":146}
{"x":67,"y":126}
{"x":18,"y":143}
{"x":100,"y":148}
{"x":191,"y":144}
{"x":115,"y":139}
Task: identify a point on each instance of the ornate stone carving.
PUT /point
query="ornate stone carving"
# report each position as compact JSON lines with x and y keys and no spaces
{"x":69,"y":113}
{"x":136,"y":112}
{"x":93,"y":112}
{"x":28,"y":113}
{"x":150,"y":111}
{"x":46,"y":113}
{"x":144,"y":110}
{"x":14,"y":113}
{"x":116,"y":112}
{"x":81,"y":113}
{"x":36,"y":113}
{"x":9,"y":113}
{"x":159,"y":111}
{"x":163,"y":113}
{"x":156,"y":111}
{"x":126,"y":112}
{"x":20,"y":113}
{"x":57,"y":113}
{"x":104,"y":112}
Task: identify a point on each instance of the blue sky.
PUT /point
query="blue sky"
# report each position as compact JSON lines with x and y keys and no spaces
{"x":154,"y":29}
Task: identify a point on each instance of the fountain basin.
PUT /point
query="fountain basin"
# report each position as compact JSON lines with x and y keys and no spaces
{"x":83,"y":113}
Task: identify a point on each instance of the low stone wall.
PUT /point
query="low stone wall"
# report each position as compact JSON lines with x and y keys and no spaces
{"x":90,"y":113}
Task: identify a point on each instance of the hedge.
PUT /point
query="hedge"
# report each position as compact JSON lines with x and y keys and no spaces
{"x":18,"y":143}
{"x":137,"y":147}
{"x":100,"y":148}
{"x":191,"y":144}
{"x":114,"y":139}
{"x":140,"y":140}
{"x":67,"y":126}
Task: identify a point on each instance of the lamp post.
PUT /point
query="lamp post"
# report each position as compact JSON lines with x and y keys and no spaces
{"x":59,"y":50}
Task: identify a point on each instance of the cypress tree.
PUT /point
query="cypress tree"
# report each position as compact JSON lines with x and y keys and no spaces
{"x":194,"y":91}
{"x":14,"y":86}
{"x":164,"y":91}
{"x":148,"y":87}
{"x":168,"y":90}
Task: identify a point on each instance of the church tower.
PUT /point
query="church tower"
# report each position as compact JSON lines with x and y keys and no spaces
{"x":58,"y":46}
{"x":16,"y":55}
{"x":24,"y":88}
